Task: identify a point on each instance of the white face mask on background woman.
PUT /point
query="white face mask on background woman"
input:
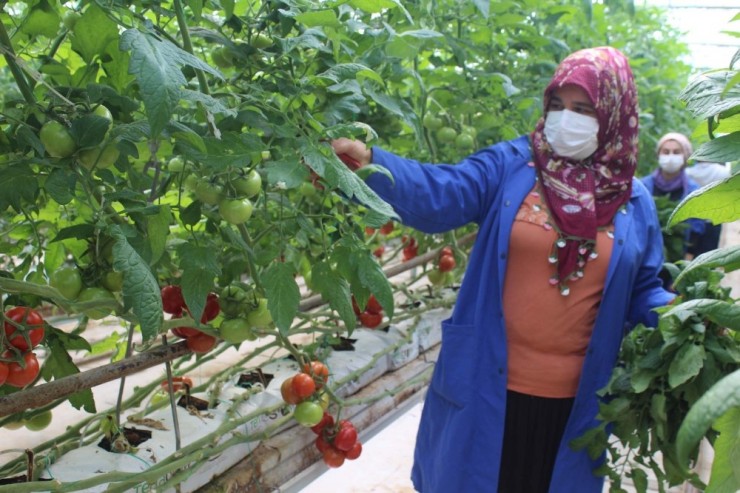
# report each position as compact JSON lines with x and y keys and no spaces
{"x":571,"y":134}
{"x":670,"y":163}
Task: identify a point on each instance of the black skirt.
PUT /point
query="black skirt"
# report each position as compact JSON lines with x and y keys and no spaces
{"x":532,"y":434}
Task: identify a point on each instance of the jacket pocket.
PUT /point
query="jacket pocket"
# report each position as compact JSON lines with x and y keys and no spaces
{"x":455,"y":368}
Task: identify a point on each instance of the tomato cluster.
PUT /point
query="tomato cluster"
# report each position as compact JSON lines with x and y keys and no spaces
{"x":24,"y":330}
{"x":336,"y":442}
{"x":445,"y":264}
{"x":304,"y":390}
{"x":372,"y":315}
{"x":173,"y":303}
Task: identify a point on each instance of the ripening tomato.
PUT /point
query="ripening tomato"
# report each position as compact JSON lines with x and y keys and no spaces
{"x":446,"y":251}
{"x":20,"y":376}
{"x":354,"y":452}
{"x":303,"y":385}
{"x":410,"y":251}
{"x":319,"y":371}
{"x":369,"y":231}
{"x":172,"y":300}
{"x":201,"y":343}
{"x":333,"y":458}
{"x":287,"y":392}
{"x":378,"y":252}
{"x":32,"y":325}
{"x":371,"y":320}
{"x":446,"y":263}
{"x":436,"y":277}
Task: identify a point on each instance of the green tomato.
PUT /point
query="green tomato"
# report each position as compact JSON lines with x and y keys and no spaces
{"x":249,"y":185}
{"x":308,"y":413}
{"x":68,"y":281}
{"x":38,"y":422}
{"x":190,"y":183}
{"x":235,"y":211}
{"x":236,"y":330}
{"x":176,"y":165}
{"x":100,"y":157}
{"x":436,"y":277}
{"x":233,"y":300}
{"x":207,"y":192}
{"x":103,"y":112}
{"x":222,"y":57}
{"x":260,"y":41}
{"x":96,"y":294}
{"x":464,"y":142}
{"x":446,"y":135}
{"x":14,"y":425}
{"x":472,"y":131}
{"x":112,"y":281}
{"x":70,"y":18}
{"x":57,"y":140}
{"x":432,"y":122}
{"x":260,"y":316}
{"x":307,"y":190}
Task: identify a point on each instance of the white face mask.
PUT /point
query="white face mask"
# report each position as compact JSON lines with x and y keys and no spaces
{"x":670,"y":163}
{"x":571,"y":134}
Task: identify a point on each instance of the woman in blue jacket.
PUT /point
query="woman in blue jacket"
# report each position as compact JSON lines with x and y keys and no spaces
{"x":566,"y":260}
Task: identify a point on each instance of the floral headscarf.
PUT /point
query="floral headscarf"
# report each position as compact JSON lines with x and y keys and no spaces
{"x":583,"y":195}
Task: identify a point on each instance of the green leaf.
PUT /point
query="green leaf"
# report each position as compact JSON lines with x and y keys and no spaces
{"x":60,"y":184}
{"x":687,"y":364}
{"x":156,"y":64}
{"x":338,"y":175}
{"x":639,"y":479}
{"x":720,"y":312}
{"x":199,"y":269}
{"x":334,"y":289}
{"x":158,"y":229}
{"x":705,"y":96}
{"x":316,"y":18}
{"x":372,"y":6}
{"x":140,"y":288}
{"x":720,"y":398}
{"x":720,"y":150}
{"x":59,"y":364}
{"x":727,"y":258}
{"x":283,"y":295}
{"x":89,"y":130}
{"x":371,"y":275}
{"x":78,"y":232}
{"x":210,"y":103}
{"x":289,"y":171}
{"x":725,"y":477}
{"x":344,"y":71}
{"x":483,"y":6}
{"x":18,"y":185}
{"x":716,"y":202}
{"x":92,"y":33}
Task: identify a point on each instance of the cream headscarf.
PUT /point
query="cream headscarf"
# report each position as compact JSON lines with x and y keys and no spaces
{"x":681,"y":139}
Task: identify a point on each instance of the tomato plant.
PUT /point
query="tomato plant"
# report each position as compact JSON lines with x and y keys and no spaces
{"x":24,"y":327}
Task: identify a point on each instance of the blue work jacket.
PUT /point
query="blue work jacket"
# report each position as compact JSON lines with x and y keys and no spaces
{"x":460,"y":437}
{"x":696,"y":227}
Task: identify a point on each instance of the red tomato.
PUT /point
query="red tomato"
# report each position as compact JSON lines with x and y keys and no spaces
{"x":446,"y":263}
{"x":354,"y":452}
{"x":410,"y":252}
{"x":369,"y":231}
{"x":446,"y":251}
{"x":387,"y":228}
{"x":303,"y":385}
{"x":172,"y":300}
{"x":212,"y":308}
{"x":378,"y":252}
{"x":345,"y":438}
{"x":371,"y":320}
{"x":3,"y":372}
{"x":18,"y":376}
{"x":178,"y":383}
{"x":32,"y":325}
{"x":373,"y":306}
{"x":321,"y":444}
{"x":333,"y":457}
{"x":318,"y":371}
{"x":326,"y":421}
{"x":289,"y":395}
{"x":201,"y":343}
{"x":185,"y":332}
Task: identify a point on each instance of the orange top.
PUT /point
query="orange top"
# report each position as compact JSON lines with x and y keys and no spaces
{"x":548,"y":333}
